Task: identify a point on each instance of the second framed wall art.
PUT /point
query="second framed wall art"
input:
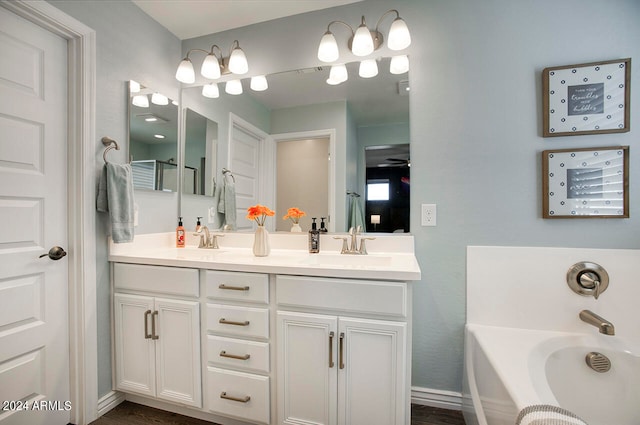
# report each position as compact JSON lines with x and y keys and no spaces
{"x":589,"y":98}
{"x":586,"y":183}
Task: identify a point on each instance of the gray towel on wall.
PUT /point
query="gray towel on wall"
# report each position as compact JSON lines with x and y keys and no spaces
{"x":115,"y":196}
{"x":226,"y":199}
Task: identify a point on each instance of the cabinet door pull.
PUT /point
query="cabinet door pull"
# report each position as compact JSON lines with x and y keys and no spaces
{"x":147,"y":335}
{"x":153,"y":325}
{"x":233,"y":288}
{"x":231,"y":322}
{"x":331,"y":335}
{"x":234,"y":356}
{"x":238,"y":399}
{"x":341,"y":350}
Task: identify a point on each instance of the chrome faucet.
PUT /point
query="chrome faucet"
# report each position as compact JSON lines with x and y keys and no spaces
{"x":350,"y":245}
{"x":604,"y":326}
{"x":208,"y":240}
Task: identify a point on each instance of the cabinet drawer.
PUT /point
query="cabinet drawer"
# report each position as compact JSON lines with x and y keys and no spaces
{"x":361,"y":296}
{"x":161,"y":279}
{"x":251,"y":287}
{"x":238,"y":353}
{"x":238,"y":320}
{"x":238,"y":394}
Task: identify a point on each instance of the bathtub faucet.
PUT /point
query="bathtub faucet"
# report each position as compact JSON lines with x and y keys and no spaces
{"x":604,"y":326}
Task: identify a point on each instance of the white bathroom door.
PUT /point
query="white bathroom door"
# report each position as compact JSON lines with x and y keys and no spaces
{"x":34,"y":331}
{"x":246,"y":151}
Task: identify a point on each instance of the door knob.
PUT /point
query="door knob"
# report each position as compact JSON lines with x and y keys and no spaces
{"x":55,"y":253}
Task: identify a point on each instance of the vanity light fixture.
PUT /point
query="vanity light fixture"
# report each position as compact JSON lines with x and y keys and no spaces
{"x":140,"y":100}
{"x":399,"y":64}
{"x":338,"y":74}
{"x":159,"y":99}
{"x":159,"y":136}
{"x":211,"y":91}
{"x":215,"y":64}
{"x":259,"y":83}
{"x":364,"y":41}
{"x":368,"y":68}
{"x":233,"y":87}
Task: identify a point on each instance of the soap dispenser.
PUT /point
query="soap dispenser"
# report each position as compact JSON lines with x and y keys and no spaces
{"x":198,"y":224}
{"x":180,"y":237}
{"x":314,"y":238}
{"x":322,"y":228}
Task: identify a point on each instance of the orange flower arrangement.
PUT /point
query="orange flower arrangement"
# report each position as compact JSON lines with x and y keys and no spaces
{"x":259,"y":214}
{"x":294,"y":215}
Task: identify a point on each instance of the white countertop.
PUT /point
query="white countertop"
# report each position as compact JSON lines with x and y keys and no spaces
{"x":390,"y":257}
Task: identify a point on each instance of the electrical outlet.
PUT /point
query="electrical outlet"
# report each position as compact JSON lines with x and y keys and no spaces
{"x":428,"y":216}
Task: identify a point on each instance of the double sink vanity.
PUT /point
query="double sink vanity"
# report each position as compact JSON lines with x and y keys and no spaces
{"x":291,"y":338}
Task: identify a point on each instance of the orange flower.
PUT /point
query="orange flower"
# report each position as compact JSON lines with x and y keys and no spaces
{"x":294,"y":215}
{"x":259,"y":213}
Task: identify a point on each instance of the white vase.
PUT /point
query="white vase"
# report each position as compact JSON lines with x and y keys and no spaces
{"x":261,"y":246}
{"x":296,"y":228}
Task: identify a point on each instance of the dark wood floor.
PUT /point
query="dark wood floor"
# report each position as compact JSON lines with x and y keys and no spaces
{"x":129,"y":413}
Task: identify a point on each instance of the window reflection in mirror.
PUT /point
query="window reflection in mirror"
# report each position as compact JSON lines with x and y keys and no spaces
{"x":201,"y":141}
{"x":388,"y":188}
{"x":153,"y":139}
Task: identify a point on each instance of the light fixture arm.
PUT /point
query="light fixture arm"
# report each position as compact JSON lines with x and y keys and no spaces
{"x":186,"y":57}
{"x":385,"y":14}
{"x":343,"y":23}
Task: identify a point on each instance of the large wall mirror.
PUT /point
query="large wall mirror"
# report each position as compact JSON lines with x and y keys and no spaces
{"x":376,"y":117}
{"x":153,"y":139}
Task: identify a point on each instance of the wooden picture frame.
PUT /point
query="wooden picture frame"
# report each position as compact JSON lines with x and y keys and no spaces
{"x":589,"y":98}
{"x":586,"y":183}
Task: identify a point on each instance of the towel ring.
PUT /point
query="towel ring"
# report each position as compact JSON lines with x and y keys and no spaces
{"x":226,"y":171}
{"x":110,"y":144}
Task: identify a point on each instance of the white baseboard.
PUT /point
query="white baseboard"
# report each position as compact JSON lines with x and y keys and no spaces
{"x":423,"y":396}
{"x":109,"y":401}
{"x":436,"y":398}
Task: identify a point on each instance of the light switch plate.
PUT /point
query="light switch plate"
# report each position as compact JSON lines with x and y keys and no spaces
{"x":428,"y":214}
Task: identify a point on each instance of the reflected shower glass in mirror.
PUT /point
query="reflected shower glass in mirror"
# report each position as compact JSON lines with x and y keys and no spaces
{"x":201,"y":142}
{"x":153,"y":139}
{"x":387,"y":188}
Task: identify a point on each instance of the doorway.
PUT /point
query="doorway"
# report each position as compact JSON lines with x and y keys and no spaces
{"x":387,"y":188}
{"x":302,"y":176}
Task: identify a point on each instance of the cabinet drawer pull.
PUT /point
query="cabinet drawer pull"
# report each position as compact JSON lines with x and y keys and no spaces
{"x":234,"y":288}
{"x":147,"y":335}
{"x":153,"y":325}
{"x":238,"y":399}
{"x":341,"y":350}
{"x":331,"y":335}
{"x":234,"y":356}
{"x":231,"y":322}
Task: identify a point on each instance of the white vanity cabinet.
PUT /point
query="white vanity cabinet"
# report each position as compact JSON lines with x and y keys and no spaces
{"x":156,"y":318}
{"x":337,"y":362}
{"x":237,"y":350}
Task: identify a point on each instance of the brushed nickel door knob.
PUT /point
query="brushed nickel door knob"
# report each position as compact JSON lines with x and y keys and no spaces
{"x":55,"y":253}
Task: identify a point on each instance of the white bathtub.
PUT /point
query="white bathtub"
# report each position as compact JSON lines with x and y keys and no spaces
{"x":507,"y":369}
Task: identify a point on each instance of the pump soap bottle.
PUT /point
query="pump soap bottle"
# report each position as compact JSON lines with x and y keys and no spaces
{"x":198,"y":225}
{"x":322,"y":228}
{"x":180,"y":238}
{"x":314,"y":238}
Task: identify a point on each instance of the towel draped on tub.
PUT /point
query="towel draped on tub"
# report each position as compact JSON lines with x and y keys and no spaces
{"x":545,"y":414}
{"x":115,"y":196}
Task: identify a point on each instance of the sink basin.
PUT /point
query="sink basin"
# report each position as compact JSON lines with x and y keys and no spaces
{"x":347,"y":260}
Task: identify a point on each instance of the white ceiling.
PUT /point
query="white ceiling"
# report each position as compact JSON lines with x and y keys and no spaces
{"x":194,"y":18}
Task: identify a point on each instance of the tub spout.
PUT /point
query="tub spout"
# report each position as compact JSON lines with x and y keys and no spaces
{"x":604,"y":326}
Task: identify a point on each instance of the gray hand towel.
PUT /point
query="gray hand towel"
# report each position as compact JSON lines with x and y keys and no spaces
{"x":544,"y":414}
{"x":115,"y":196}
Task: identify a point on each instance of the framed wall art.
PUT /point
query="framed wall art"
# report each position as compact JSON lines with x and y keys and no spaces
{"x":589,"y":98}
{"x":586,"y":183}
